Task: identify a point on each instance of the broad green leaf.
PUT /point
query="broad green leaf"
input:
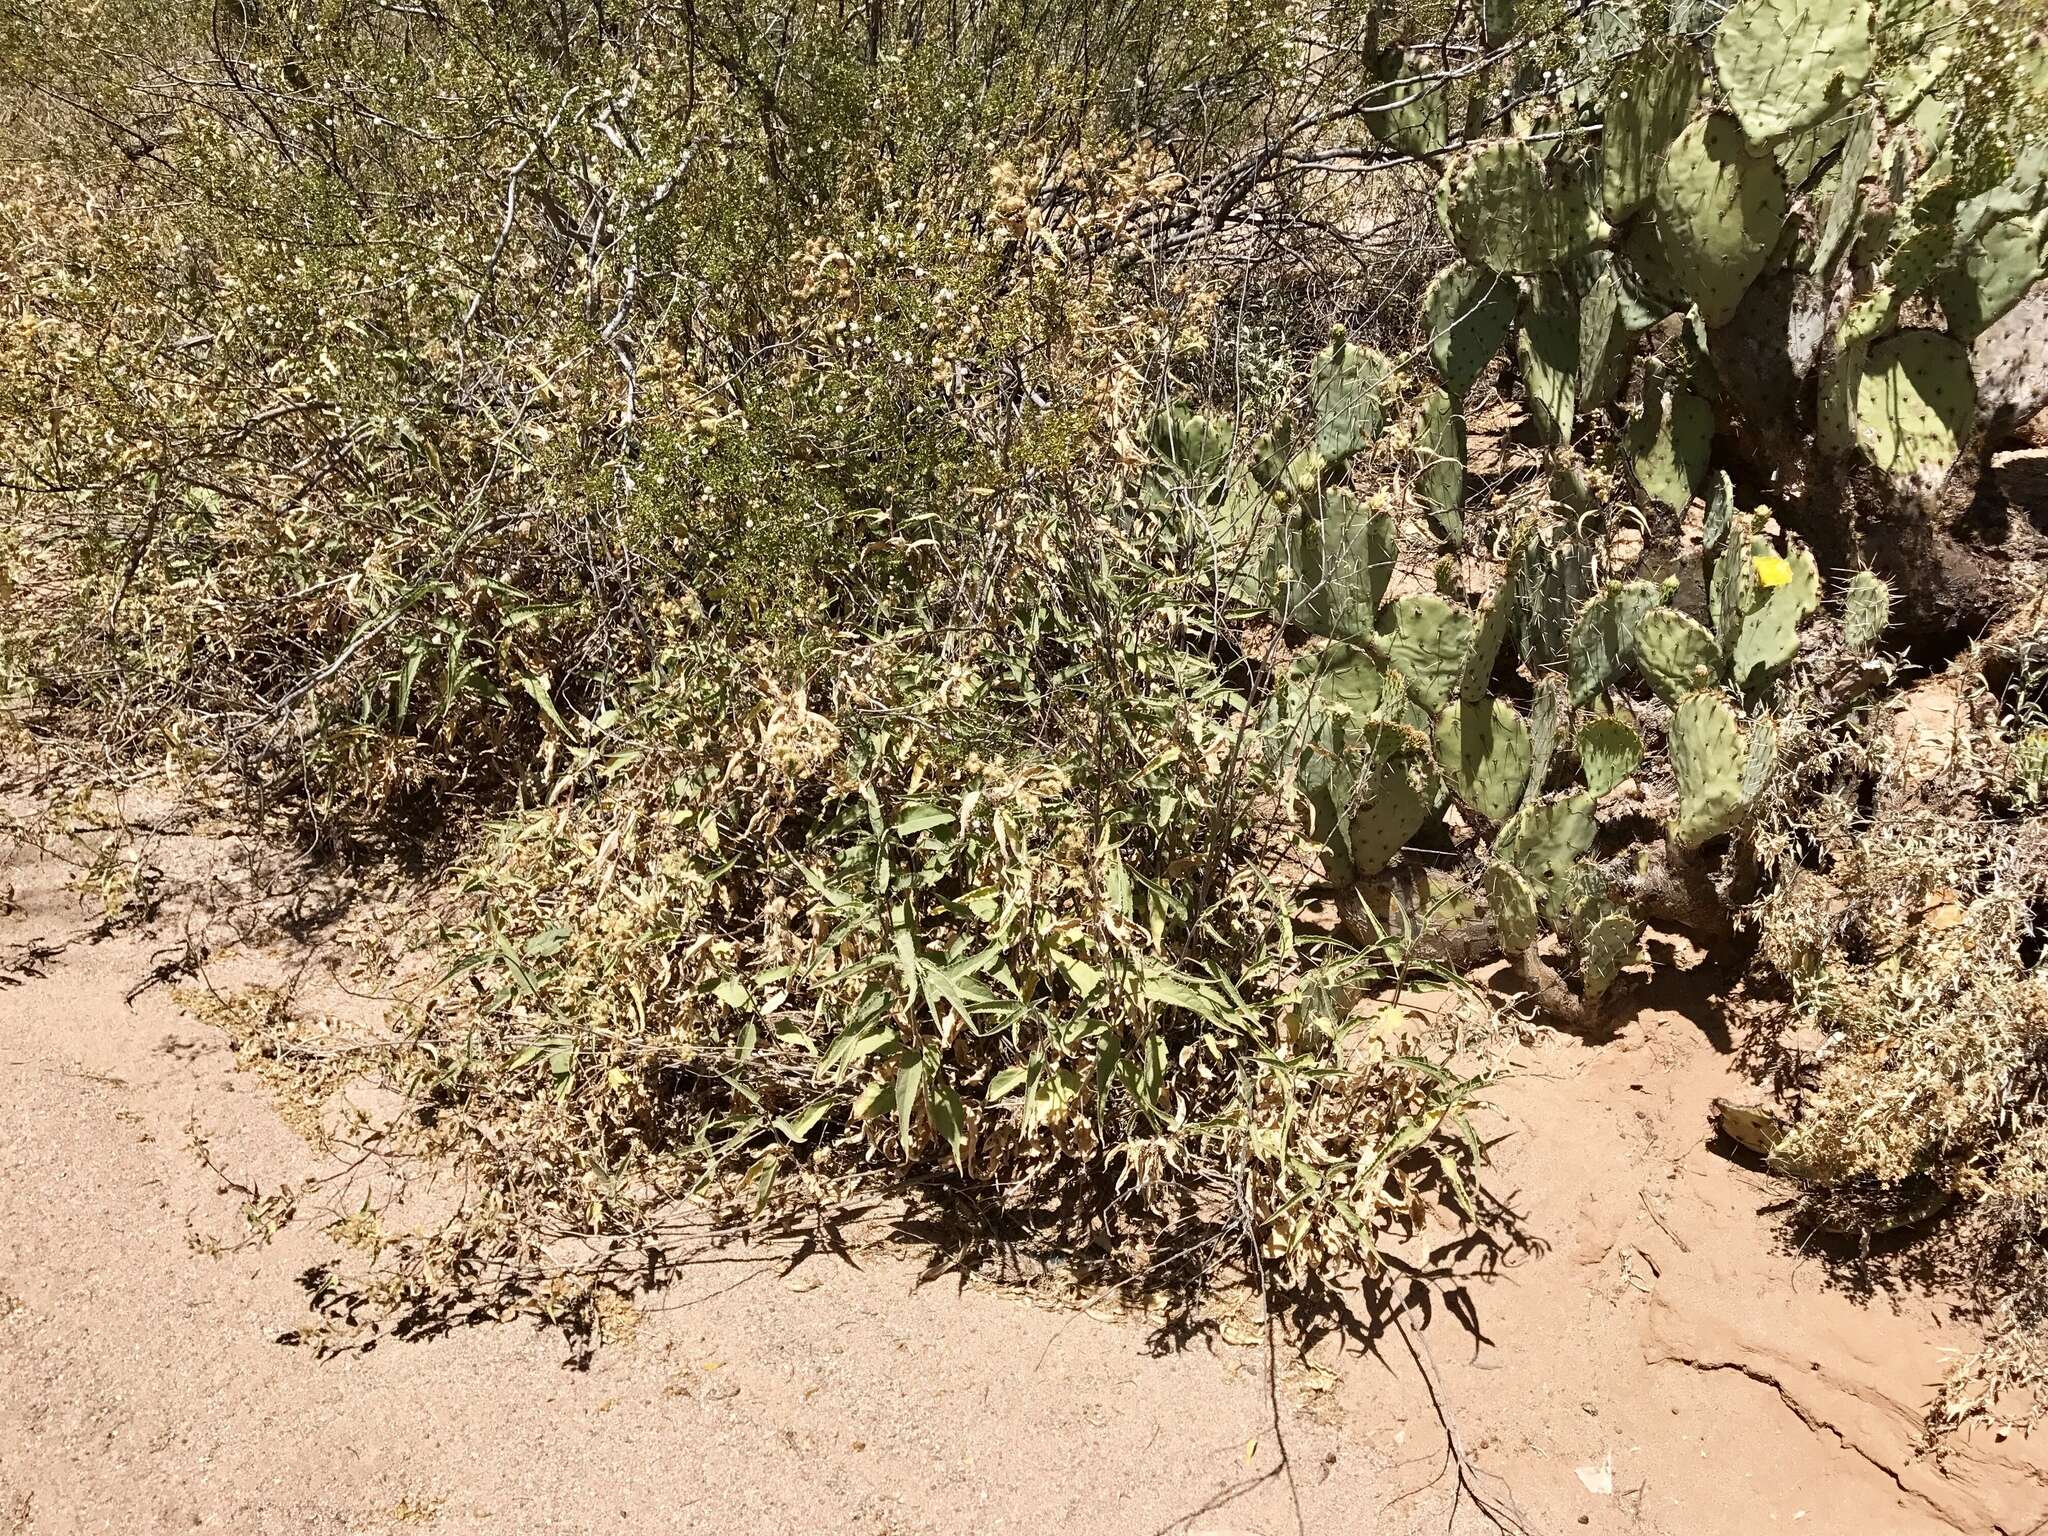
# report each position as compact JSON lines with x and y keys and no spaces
{"x":1005,"y":1083}
{"x":909,"y":1082}
{"x":799,"y":1125}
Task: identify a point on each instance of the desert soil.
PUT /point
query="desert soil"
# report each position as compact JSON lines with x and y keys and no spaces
{"x":1655,"y":1354}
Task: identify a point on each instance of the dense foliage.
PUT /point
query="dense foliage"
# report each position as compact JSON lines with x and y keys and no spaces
{"x":914,"y":557}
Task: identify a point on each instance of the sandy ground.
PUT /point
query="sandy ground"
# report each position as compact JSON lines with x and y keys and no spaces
{"x":1654,"y":1357}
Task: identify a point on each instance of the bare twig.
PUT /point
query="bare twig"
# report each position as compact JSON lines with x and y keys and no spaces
{"x":1480,"y":1486}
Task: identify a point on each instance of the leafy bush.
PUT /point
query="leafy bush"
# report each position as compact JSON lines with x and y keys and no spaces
{"x":851,"y":520}
{"x":444,"y":415}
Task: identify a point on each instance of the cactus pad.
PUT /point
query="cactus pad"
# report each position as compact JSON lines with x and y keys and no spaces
{"x":1786,"y":64}
{"x":1344,"y":383}
{"x":1324,"y":777}
{"x":1406,"y":106}
{"x":1708,"y":757}
{"x":1344,"y":679}
{"x":1781,"y":592}
{"x":1649,"y":101}
{"x":1731,"y":590}
{"x":2001,"y":241}
{"x":1675,"y":654}
{"x":1761,"y":761}
{"x":1799,"y":153}
{"x":1440,"y":475}
{"x":1866,"y":610}
{"x":1482,"y":748}
{"x":1470,"y":312}
{"x":1189,"y":452}
{"x":1834,"y":425}
{"x":1346,"y":560}
{"x":1922,"y":46}
{"x":1669,"y":442}
{"x":1609,"y":751}
{"x":1915,"y":400}
{"x":1556,"y":582}
{"x":1270,"y":454}
{"x":1507,"y":211}
{"x":1604,"y":946}
{"x":1603,"y":344}
{"x":1604,"y":634}
{"x":1568,"y":487}
{"x":1720,"y":512}
{"x":1549,"y":716}
{"x":1511,"y":904}
{"x":1720,"y":208}
{"x":1547,"y":351}
{"x":1546,"y":839}
{"x":1426,"y":642}
{"x":1396,"y":796}
{"x":1838,"y":222}
{"x":1475,"y":673}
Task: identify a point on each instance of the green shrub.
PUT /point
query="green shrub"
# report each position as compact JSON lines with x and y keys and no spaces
{"x":850,"y":523}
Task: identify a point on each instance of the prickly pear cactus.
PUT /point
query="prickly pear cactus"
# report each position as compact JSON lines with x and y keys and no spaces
{"x":1440,"y":479}
{"x":1731,"y":588}
{"x":1407,"y":106}
{"x":1568,"y":485}
{"x":1866,"y":610}
{"x":1325,"y":775}
{"x":1470,"y":312}
{"x":1482,"y":749}
{"x":1512,"y":906}
{"x":1509,"y":212}
{"x":1333,"y":683}
{"x":1190,"y":454}
{"x":1549,"y":719}
{"x":1547,"y":351}
{"x":1920,"y":39}
{"x":1426,"y":641}
{"x":1708,"y":757}
{"x":2001,"y":247}
{"x":1271,"y":453}
{"x":1396,"y":795}
{"x":1556,"y":582}
{"x":1546,"y":839}
{"x":1783,"y":591}
{"x":1650,"y":99}
{"x":1923,"y":240}
{"x":1604,"y":946}
{"x":1834,"y":422}
{"x":1915,"y":401}
{"x":1675,"y":654}
{"x":1605,"y":330}
{"x":1838,"y":221}
{"x":1609,"y":751}
{"x":1669,"y":442}
{"x":1720,"y":512}
{"x":1798,"y":154}
{"x":1720,"y":208}
{"x":1344,"y":384}
{"x":1787,"y":64}
{"x":1346,"y":561}
{"x":1761,"y":760}
{"x":1475,"y":673}
{"x":1605,"y":634}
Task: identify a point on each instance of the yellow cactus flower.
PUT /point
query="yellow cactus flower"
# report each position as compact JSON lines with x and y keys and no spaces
{"x":1772,"y":570}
